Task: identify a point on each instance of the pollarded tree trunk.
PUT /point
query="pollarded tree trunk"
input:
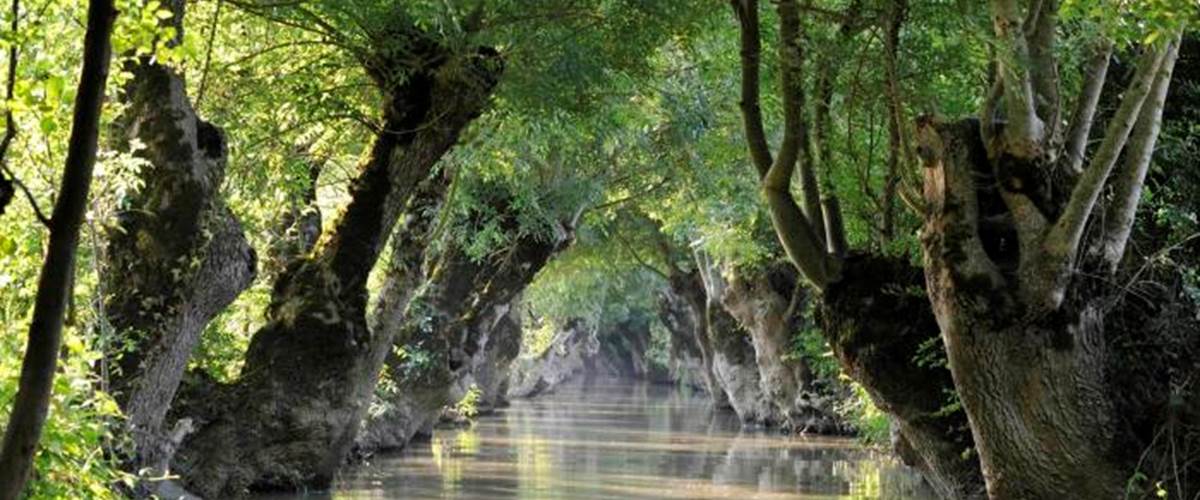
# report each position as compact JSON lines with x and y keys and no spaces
{"x":1009,"y":264}
{"x":176,"y":257}
{"x":568,"y":355}
{"x":1033,"y":384}
{"x":417,"y":384}
{"x":689,"y":364}
{"x":689,"y":287}
{"x":491,"y":366}
{"x":864,"y":299}
{"x":404,"y":278}
{"x":768,"y":304}
{"x":290,"y":419}
{"x":448,"y":329}
{"x":734,"y":363}
{"x":623,"y":348}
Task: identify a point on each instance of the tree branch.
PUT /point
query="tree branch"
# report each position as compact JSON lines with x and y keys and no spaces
{"x":1041,"y":37}
{"x":796,"y":232}
{"x":896,"y":12}
{"x":751,"y":54}
{"x":835,"y":229}
{"x":1127,"y":182}
{"x":796,"y":148}
{"x":1085,"y":110}
{"x":638,"y":258}
{"x":212,"y":35}
{"x":10,"y":127}
{"x":1023,"y":133}
{"x":1062,"y":242}
{"x":37,"y":210}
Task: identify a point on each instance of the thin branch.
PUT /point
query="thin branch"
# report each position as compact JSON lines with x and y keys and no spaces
{"x":1041,"y":37}
{"x":751,"y":54}
{"x":1064,"y":237}
{"x":37,"y":210}
{"x":1127,"y":182}
{"x":212,"y":35}
{"x":792,"y":88}
{"x":803,"y":245}
{"x":632,"y":197}
{"x":10,"y":125}
{"x":826,"y":77}
{"x":796,"y":147}
{"x":1085,"y":110}
{"x":896,"y":13}
{"x":629,"y":248}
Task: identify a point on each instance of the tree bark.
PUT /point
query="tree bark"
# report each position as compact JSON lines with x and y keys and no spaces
{"x":32,"y":401}
{"x":290,"y":419}
{"x":568,"y":355}
{"x":176,"y":258}
{"x":691,"y":362}
{"x":688,"y":286}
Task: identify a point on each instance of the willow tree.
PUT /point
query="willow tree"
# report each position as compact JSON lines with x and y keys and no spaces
{"x":1024,"y":327}
{"x":291,"y":417}
{"x":1016,"y":280}
{"x":874,"y":335}
{"x":176,"y":256}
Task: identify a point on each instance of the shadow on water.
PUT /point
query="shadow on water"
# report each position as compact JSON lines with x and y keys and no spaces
{"x":615,"y":439}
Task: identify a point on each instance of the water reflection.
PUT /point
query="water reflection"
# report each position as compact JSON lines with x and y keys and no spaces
{"x":603,"y":440}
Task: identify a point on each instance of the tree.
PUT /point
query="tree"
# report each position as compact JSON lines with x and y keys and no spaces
{"x":291,"y":418}
{"x":1006,"y":257}
{"x":45,"y":331}
{"x":859,"y":322}
{"x":1024,"y":328}
{"x":177,"y":255}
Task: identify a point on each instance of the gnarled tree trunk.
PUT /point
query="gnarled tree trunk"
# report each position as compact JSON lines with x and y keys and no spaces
{"x":291,"y":418}
{"x":176,"y":257}
{"x":458,"y":321}
{"x":690,"y":365}
{"x":692,"y":301}
{"x":1034,"y":385}
{"x":878,"y":321}
{"x":568,"y":355}
{"x":734,"y":362}
{"x":768,"y":303}
{"x":623,"y":348}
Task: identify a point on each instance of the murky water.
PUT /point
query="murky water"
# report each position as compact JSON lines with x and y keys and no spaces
{"x":605,"y":440}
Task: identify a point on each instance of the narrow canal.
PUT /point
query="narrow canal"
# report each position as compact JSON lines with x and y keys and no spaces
{"x":606,"y":440}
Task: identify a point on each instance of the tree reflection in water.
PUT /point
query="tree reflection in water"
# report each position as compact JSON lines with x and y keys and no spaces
{"x":611,"y":439}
